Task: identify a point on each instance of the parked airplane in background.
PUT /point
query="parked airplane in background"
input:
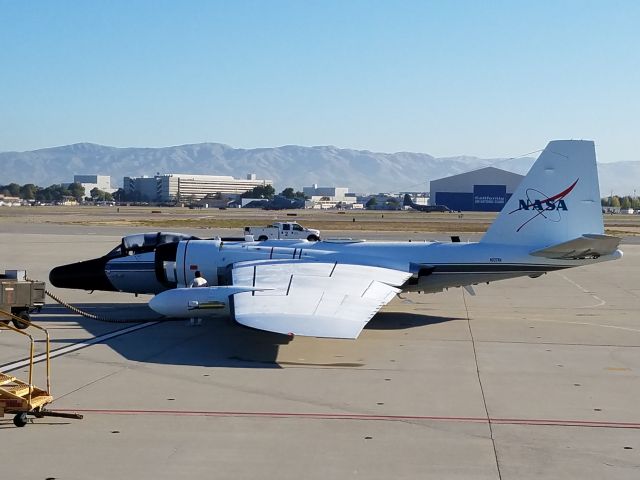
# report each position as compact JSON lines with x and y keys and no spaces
{"x":423,"y":208}
{"x":553,"y":221}
{"x":277,"y":203}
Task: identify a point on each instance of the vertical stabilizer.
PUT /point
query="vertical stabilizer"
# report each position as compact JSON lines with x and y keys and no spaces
{"x":557,"y":201}
{"x":407,"y":202}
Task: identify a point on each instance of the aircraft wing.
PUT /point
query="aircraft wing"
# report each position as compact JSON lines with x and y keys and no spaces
{"x":317,"y":299}
{"x":586,"y":246}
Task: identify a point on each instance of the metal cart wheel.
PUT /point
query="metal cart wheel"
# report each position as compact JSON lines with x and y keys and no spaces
{"x":20,"y":420}
{"x":22,"y":325}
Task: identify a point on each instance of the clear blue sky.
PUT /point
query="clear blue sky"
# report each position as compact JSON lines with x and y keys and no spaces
{"x":494,"y":78}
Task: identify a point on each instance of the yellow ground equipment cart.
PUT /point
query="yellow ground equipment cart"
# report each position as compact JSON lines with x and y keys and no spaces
{"x":21,"y":398}
{"x":19,"y":297}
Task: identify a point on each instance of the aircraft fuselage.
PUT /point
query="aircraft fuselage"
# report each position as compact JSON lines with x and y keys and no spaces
{"x":434,"y":265}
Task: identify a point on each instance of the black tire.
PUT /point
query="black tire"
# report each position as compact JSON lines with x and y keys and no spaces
{"x":262,"y":238}
{"x":313,"y":238}
{"x":20,"y":420}
{"x":22,"y":325}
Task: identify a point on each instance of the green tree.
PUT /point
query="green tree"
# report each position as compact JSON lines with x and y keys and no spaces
{"x":635,"y":203}
{"x":261,"y":191}
{"x":28,"y":191}
{"x":76,"y":191}
{"x":372,"y":202}
{"x":14,"y":189}
{"x":625,"y":202}
{"x":52,"y":193}
{"x":615,"y":201}
{"x":42,"y":195}
{"x":98,"y":195}
{"x":288,"y":193}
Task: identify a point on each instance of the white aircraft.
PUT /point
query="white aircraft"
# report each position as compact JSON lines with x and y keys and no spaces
{"x":553,"y":221}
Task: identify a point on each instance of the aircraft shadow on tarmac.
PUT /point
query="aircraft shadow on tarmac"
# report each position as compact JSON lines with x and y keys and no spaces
{"x":404,"y":320}
{"x":217,"y":343}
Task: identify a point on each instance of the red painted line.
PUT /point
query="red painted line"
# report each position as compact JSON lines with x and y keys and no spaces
{"x":349,"y":416}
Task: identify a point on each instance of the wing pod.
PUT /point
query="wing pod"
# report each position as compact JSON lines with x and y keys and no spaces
{"x":196,"y":302}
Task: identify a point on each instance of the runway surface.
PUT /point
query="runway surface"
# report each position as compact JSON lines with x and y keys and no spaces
{"x":531,"y":378}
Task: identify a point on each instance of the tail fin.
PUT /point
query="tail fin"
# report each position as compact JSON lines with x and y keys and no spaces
{"x":558,"y":200}
{"x":407,"y":200}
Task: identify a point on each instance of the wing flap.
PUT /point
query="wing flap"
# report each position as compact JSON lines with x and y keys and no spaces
{"x":586,"y":246}
{"x":311,"y":298}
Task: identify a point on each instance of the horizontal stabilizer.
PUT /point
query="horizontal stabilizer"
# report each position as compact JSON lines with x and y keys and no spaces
{"x":586,"y":246}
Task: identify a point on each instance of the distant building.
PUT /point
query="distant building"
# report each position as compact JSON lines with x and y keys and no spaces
{"x":89,"y":182}
{"x":141,"y":189}
{"x":328,"y":197}
{"x":8,"y":201}
{"x":67,"y":200}
{"x":485,"y":190}
{"x":334,"y":192}
{"x":187,"y":187}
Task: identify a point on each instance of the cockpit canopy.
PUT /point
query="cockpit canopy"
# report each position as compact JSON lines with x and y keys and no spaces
{"x":146,"y":242}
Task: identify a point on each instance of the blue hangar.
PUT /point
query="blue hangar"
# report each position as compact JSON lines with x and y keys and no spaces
{"x":483,"y":190}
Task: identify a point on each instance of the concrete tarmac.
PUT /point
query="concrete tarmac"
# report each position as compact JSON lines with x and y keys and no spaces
{"x":530,"y":378}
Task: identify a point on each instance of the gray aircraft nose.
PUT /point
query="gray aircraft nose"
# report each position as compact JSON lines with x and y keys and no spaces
{"x":87,"y":275}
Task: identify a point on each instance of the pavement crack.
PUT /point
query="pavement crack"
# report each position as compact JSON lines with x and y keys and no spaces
{"x":484,"y":399}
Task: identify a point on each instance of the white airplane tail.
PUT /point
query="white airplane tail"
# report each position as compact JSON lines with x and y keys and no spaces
{"x":558,"y":200}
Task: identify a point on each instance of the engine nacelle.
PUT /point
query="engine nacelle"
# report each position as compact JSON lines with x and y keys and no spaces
{"x":176,"y":263}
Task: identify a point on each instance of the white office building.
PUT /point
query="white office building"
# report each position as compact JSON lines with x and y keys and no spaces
{"x":188,"y":187}
{"x":328,"y":197}
{"x":334,"y":193}
{"x":89,"y":182}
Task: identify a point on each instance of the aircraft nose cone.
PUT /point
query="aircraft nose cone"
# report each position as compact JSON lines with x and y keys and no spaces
{"x":87,"y":275}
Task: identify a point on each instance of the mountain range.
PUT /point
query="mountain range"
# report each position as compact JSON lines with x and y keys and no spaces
{"x":296,"y":166}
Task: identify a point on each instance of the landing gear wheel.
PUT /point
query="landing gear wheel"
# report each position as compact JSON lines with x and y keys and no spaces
{"x":20,"y":420}
{"x":262,"y":238}
{"x":313,"y":238}
{"x":22,"y":325}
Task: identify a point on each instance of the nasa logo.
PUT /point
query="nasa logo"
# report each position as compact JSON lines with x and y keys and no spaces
{"x":542,"y":205}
